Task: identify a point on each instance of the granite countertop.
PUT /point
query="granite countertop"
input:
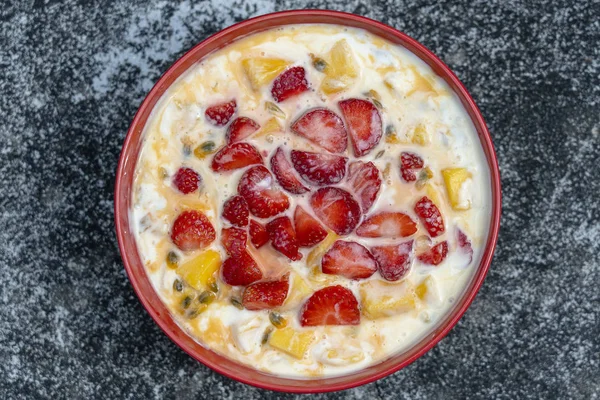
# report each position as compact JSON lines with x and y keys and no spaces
{"x":73,"y":73}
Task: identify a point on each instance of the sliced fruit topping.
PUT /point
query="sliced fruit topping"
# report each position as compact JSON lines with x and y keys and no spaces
{"x":409,"y":162}
{"x":234,"y":156}
{"x":430,"y":216}
{"x":309,"y":231}
{"x":342,"y":69}
{"x":220,"y":114}
{"x":434,"y":255}
{"x":192,"y":231}
{"x":393,"y":260}
{"x":323,"y":128}
{"x":454,"y":178}
{"x":258,"y":234}
{"x":337,"y":209}
{"x":204,"y":149}
{"x":186,"y":180}
{"x":285,"y":174}
{"x":464,"y":244}
{"x":363,"y":123}
{"x":319,"y":169}
{"x":289,"y":84}
{"x":256,"y":186}
{"x":261,"y":71}
{"x":283,"y":238}
{"x":241,"y":128}
{"x":235,"y":210}
{"x":240,"y":270}
{"x":350,"y":260}
{"x":198,"y":271}
{"x":387,"y":224}
{"x":234,"y":240}
{"x":379,"y":299}
{"x":265,"y":295}
{"x":295,"y":343}
{"x":365,"y":181}
{"x":333,"y":305}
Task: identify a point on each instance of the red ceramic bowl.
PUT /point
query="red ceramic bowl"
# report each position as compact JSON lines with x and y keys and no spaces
{"x":135,"y":268}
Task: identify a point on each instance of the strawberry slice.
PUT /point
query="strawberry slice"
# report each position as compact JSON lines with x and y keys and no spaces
{"x":283,"y":171}
{"x":240,"y":129}
{"x":387,"y":224}
{"x":464,"y":245}
{"x":256,"y":186}
{"x":240,"y":270}
{"x":309,"y":231}
{"x":234,"y":240}
{"x":365,"y":181}
{"x":319,"y":169}
{"x":290,"y":83}
{"x":350,"y":260}
{"x":435,"y":255}
{"x":409,"y":162}
{"x":220,"y":114}
{"x":186,"y":180}
{"x":258,"y":234}
{"x":430,"y":216}
{"x":265,"y":295}
{"x":363,"y":123}
{"x":235,"y":210}
{"x":337,"y":209}
{"x":323,"y":128}
{"x":283,"y":238}
{"x":332,"y":305}
{"x":192,"y":231}
{"x":393,"y":261}
{"x":234,"y":156}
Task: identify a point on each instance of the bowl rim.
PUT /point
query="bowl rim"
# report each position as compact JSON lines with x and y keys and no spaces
{"x":441,"y":69}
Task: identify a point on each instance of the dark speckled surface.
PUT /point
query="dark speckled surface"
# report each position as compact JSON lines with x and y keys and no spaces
{"x":73,"y":74}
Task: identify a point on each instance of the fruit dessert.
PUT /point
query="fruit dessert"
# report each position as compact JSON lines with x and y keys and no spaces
{"x":310,"y":200}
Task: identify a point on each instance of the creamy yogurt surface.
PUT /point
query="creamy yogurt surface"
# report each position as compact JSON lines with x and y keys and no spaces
{"x":420,"y":115}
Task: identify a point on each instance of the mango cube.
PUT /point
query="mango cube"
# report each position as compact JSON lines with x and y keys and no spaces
{"x":382,"y":299}
{"x":420,"y":135}
{"x":454,"y":178}
{"x":342,"y":69}
{"x":261,"y":71}
{"x":197,"y":271}
{"x":299,"y":291}
{"x":313,"y":260}
{"x":292,"y":342}
{"x":427,"y":292}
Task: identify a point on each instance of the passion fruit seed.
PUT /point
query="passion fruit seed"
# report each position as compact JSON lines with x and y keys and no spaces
{"x":194,"y":312}
{"x":177,"y":285}
{"x":237,"y":303}
{"x":187,"y":150}
{"x":390,"y":130}
{"x":266,"y":335}
{"x":277,"y":320}
{"x":380,"y":154}
{"x":274,"y":109}
{"x":206,"y":297}
{"x":319,"y":64}
{"x":205,"y":149}
{"x":377,"y":104}
{"x":213,"y":286}
{"x":163,"y":173}
{"x":424,"y":175}
{"x":373,"y":94}
{"x":185,"y":303}
{"x":172,"y":260}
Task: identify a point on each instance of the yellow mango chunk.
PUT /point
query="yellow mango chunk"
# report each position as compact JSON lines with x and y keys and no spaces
{"x":299,"y":291}
{"x":433,"y":194}
{"x":454,"y":179}
{"x":197,"y":271}
{"x":420,"y":135}
{"x":292,"y":342}
{"x":427,"y":292}
{"x":271,"y":126}
{"x":342,"y":69}
{"x":313,"y":259}
{"x":382,"y":299}
{"x":261,"y":71}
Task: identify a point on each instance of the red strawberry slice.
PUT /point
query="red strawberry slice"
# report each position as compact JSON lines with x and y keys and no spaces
{"x":365,"y":181}
{"x":240,"y":129}
{"x":337,"y":209}
{"x":234,"y":240}
{"x":332,"y":305}
{"x":256,"y":186}
{"x":192,"y":231}
{"x":258,"y":234}
{"x":220,"y":114}
{"x":323,"y":128}
{"x":309,"y":231}
{"x":186,"y":180}
{"x":234,"y":156}
{"x":290,"y":83}
{"x":464,"y":245}
{"x":409,"y":162}
{"x":393,"y":261}
{"x":283,"y":171}
{"x":235,"y":210}
{"x":387,"y":224}
{"x":435,"y":255}
{"x":363,"y":123}
{"x":430,"y":216}
{"x":283,"y":238}
{"x":240,"y":270}
{"x":319,"y":169}
{"x":350,"y":260}
{"x":265,"y":295}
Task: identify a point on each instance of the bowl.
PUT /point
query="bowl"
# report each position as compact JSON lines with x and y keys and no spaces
{"x":135,"y":268}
